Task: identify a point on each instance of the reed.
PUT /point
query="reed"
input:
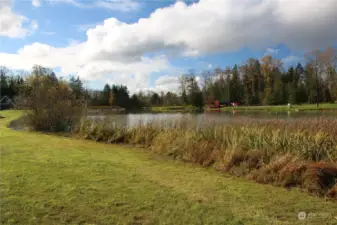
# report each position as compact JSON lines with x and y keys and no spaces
{"x":269,"y":151}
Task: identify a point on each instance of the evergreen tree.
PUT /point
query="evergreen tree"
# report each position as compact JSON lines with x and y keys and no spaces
{"x":77,"y":86}
{"x":155,"y":99}
{"x":105,"y":95}
{"x":292,"y":86}
{"x":235,"y":86}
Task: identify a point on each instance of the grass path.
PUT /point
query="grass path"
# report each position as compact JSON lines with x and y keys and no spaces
{"x":54,"y":180}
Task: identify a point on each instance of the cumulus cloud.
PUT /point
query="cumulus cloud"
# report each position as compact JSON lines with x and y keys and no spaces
{"x":133,"y":74}
{"x":114,"y":5}
{"x":14,"y":25}
{"x":36,"y":3}
{"x":217,"y":26}
{"x":43,"y":54}
{"x":118,"y":49}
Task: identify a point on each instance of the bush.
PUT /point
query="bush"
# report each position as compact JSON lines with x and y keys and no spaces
{"x":51,"y":104}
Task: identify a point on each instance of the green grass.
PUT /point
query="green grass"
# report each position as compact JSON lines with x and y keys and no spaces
{"x":49,"y":179}
{"x":304,"y":107}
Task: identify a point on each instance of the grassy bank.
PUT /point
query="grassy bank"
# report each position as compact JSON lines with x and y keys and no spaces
{"x":283,"y":108}
{"x":54,"y":180}
{"x":283,"y":153}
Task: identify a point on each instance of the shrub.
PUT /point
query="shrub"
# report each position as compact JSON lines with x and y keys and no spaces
{"x":51,"y":104}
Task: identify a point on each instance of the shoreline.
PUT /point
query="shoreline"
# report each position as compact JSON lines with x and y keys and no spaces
{"x":294,"y":108}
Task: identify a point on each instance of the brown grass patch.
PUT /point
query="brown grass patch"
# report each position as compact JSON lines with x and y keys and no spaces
{"x":332,"y":193}
{"x":288,"y":171}
{"x":321,"y":177}
{"x":268,"y":173}
{"x":291,"y":174}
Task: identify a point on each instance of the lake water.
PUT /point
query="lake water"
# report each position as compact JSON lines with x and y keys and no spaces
{"x":132,"y":119}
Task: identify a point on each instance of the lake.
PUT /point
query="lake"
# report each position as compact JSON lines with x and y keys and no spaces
{"x":132,"y":119}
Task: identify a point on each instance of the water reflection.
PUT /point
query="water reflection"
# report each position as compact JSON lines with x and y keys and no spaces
{"x":205,"y":118}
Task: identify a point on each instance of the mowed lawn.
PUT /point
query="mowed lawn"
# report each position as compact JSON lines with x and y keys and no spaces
{"x":48,"y":179}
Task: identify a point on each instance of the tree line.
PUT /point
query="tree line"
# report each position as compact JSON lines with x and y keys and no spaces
{"x":266,"y":82}
{"x":256,"y":82}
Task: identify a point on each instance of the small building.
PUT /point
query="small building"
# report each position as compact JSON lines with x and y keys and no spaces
{"x":225,"y":103}
{"x":218,"y":104}
{"x":6,"y":103}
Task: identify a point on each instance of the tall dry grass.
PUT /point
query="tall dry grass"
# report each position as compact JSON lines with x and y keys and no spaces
{"x":269,"y":151}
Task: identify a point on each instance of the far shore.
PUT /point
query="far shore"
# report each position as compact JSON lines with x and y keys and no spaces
{"x":278,"y":108}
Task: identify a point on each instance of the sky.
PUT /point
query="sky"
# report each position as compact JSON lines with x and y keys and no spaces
{"x":147,"y":44}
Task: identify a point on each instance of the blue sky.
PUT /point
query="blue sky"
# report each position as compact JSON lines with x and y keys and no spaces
{"x":151,"y":53}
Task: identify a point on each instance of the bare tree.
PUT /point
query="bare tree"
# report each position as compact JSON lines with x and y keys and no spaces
{"x":269,"y":64}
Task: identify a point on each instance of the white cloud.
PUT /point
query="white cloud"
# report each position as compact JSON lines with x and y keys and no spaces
{"x":114,"y":5}
{"x":73,"y":41}
{"x":43,"y":54}
{"x":13,"y":25}
{"x":272,"y":51}
{"x":36,"y":3}
{"x":167,"y":83}
{"x":133,"y":74}
{"x":217,"y":26}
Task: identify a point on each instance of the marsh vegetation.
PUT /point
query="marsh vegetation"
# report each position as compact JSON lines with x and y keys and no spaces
{"x":282,"y":152}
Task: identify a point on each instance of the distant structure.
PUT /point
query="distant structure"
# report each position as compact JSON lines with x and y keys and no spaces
{"x":6,"y":103}
{"x":219,"y":104}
